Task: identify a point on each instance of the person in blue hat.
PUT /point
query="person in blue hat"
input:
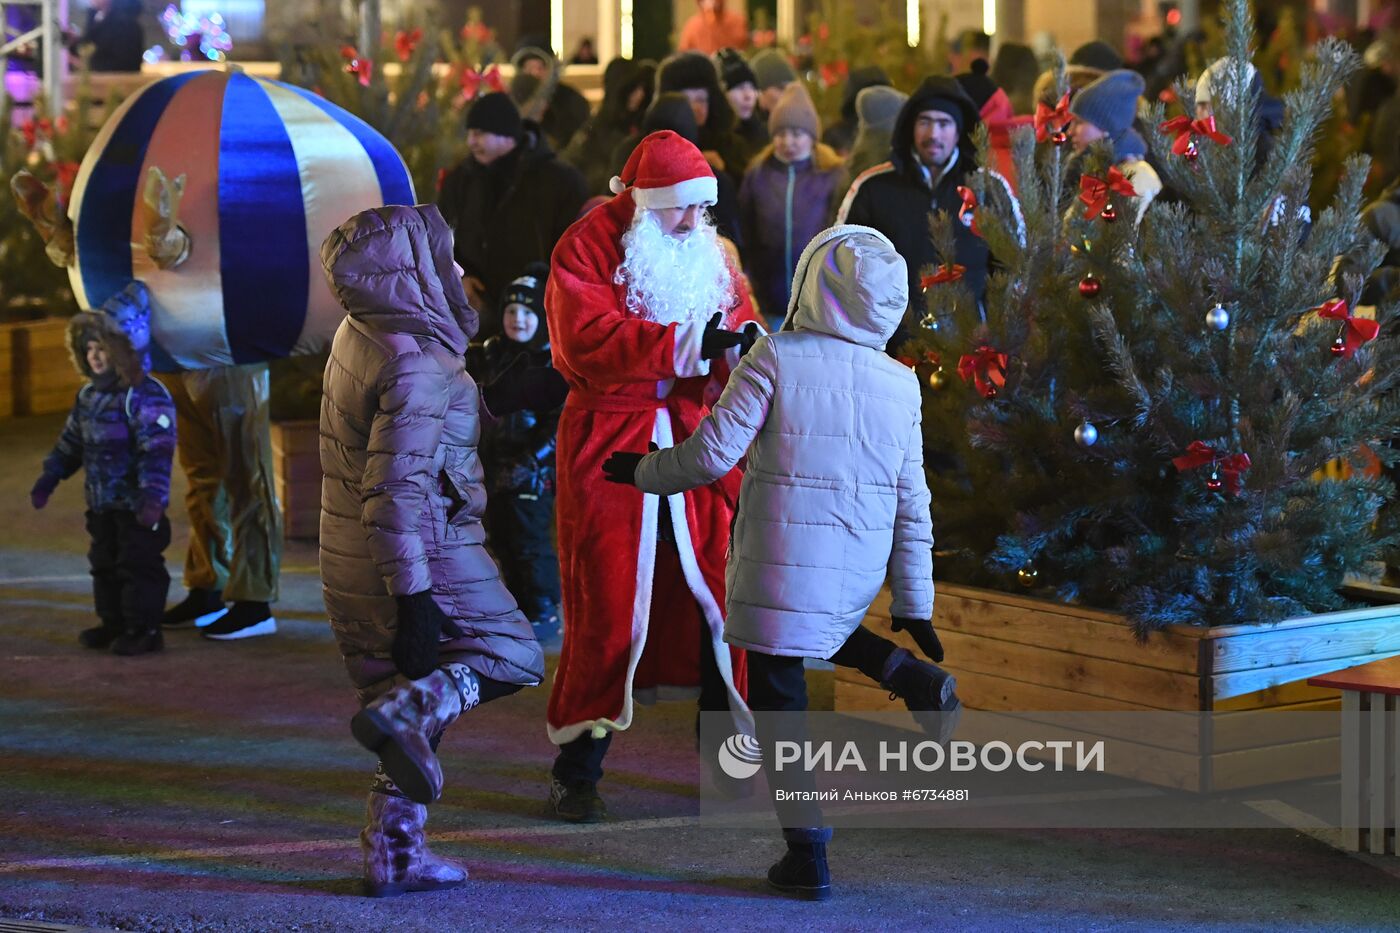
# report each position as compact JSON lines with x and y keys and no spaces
{"x":1104,"y":112}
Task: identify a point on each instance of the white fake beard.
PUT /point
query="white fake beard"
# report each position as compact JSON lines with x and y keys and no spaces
{"x":672,"y":281}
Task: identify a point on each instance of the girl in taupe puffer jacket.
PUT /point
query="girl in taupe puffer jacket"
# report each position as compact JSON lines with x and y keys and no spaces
{"x":408,"y":585}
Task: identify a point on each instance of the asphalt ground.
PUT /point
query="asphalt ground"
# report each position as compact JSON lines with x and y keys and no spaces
{"x":215,"y":786}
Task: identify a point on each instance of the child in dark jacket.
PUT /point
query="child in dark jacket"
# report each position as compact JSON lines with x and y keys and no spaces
{"x":517,"y":455}
{"x":789,"y":195}
{"x":121,"y":433}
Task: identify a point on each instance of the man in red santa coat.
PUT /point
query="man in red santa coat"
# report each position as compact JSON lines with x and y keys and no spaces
{"x":645,"y":314}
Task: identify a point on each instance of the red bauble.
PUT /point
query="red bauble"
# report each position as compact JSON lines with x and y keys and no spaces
{"x":1059,"y":138}
{"x":1339,"y":347}
{"x":1214,"y":484}
{"x":1109,"y":215}
{"x":1191,"y":153}
{"x":1089,"y":286}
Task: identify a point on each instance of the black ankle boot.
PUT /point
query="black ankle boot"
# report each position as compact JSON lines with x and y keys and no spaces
{"x":803,"y":871}
{"x":140,"y":641}
{"x":926,"y":689}
{"x":100,"y":636}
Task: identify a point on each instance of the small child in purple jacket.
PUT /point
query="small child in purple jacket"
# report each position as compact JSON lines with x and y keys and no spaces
{"x":789,"y":195}
{"x":121,"y":433}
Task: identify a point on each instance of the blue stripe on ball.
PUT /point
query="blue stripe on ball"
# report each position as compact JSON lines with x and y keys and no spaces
{"x":112,"y":190}
{"x":394,"y":183}
{"x":262,"y":227}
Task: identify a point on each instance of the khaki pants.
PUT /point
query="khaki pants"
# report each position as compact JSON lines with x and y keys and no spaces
{"x":226,"y":452}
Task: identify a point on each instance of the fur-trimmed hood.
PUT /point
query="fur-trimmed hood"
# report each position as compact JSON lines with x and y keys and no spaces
{"x":123,"y":324}
{"x":824,"y":158}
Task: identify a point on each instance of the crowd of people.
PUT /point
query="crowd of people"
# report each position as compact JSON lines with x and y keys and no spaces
{"x":602,"y":316}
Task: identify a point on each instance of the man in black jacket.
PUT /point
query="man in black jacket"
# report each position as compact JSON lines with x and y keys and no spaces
{"x":931,"y":155}
{"x":508,"y":202}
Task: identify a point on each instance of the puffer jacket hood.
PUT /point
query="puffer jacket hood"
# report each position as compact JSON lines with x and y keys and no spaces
{"x":123,"y":324}
{"x":391,"y":268}
{"x":849,"y":283}
{"x":936,"y":87}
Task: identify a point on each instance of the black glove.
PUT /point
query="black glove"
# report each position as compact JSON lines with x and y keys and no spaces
{"x":621,"y":467}
{"x":716,"y":340}
{"x":420,"y":625}
{"x":521,"y":387}
{"x":923,"y":634}
{"x":750,"y":334}
{"x":43,"y":488}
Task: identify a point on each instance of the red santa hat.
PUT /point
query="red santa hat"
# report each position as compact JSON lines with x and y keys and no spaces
{"x":666,"y":170}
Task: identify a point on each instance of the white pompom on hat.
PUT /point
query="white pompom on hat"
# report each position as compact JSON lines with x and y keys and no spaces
{"x":666,"y":170}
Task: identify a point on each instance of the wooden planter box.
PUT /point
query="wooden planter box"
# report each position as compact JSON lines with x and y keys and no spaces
{"x":1012,"y":653}
{"x":296,"y":456}
{"x":36,"y":372}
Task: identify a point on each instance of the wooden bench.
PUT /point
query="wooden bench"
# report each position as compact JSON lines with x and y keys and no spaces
{"x":1370,"y":753}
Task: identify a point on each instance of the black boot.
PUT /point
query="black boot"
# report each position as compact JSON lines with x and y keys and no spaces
{"x":199,"y":608}
{"x":100,"y":636}
{"x":139,"y":641}
{"x":803,"y":872}
{"x":577,"y":801}
{"x":927,"y":690}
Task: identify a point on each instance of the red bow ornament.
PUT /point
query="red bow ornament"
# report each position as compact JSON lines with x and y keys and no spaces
{"x":477,"y":32}
{"x":34,"y":130}
{"x":362,"y":68}
{"x":472,"y":80}
{"x":948,"y":272}
{"x":1224,"y":471}
{"x":1355,"y":331}
{"x":968,"y":212}
{"x":65,"y":173}
{"x":1094,"y":191}
{"x":986,"y":367}
{"x":406,"y":42}
{"x":833,"y":74}
{"x":1186,"y":129}
{"x":1051,"y":120}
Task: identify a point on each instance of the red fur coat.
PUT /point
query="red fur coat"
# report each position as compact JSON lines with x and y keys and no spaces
{"x":632,"y":381}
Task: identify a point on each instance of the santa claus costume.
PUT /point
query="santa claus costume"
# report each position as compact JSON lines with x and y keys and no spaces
{"x":642,"y":578}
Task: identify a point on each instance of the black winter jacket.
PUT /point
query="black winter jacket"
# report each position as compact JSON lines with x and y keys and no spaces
{"x":510,"y":213}
{"x":898,"y":198}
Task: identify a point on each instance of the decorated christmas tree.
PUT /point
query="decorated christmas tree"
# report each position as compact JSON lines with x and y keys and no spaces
{"x":50,"y":146}
{"x":1134,"y":417}
{"x":414,"y":89}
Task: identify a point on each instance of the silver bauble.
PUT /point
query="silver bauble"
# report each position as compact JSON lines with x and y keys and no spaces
{"x":1086,"y":434}
{"x":1218,"y":318}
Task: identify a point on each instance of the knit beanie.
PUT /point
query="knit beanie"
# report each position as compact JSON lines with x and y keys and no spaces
{"x":878,"y":107}
{"x":795,"y":111}
{"x":1097,"y":54}
{"x":1110,"y":103}
{"x":978,"y":85}
{"x":733,"y":70}
{"x":942,"y":93}
{"x":771,"y":69}
{"x":528,"y":290}
{"x":672,"y":111}
{"x":495,"y":113}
